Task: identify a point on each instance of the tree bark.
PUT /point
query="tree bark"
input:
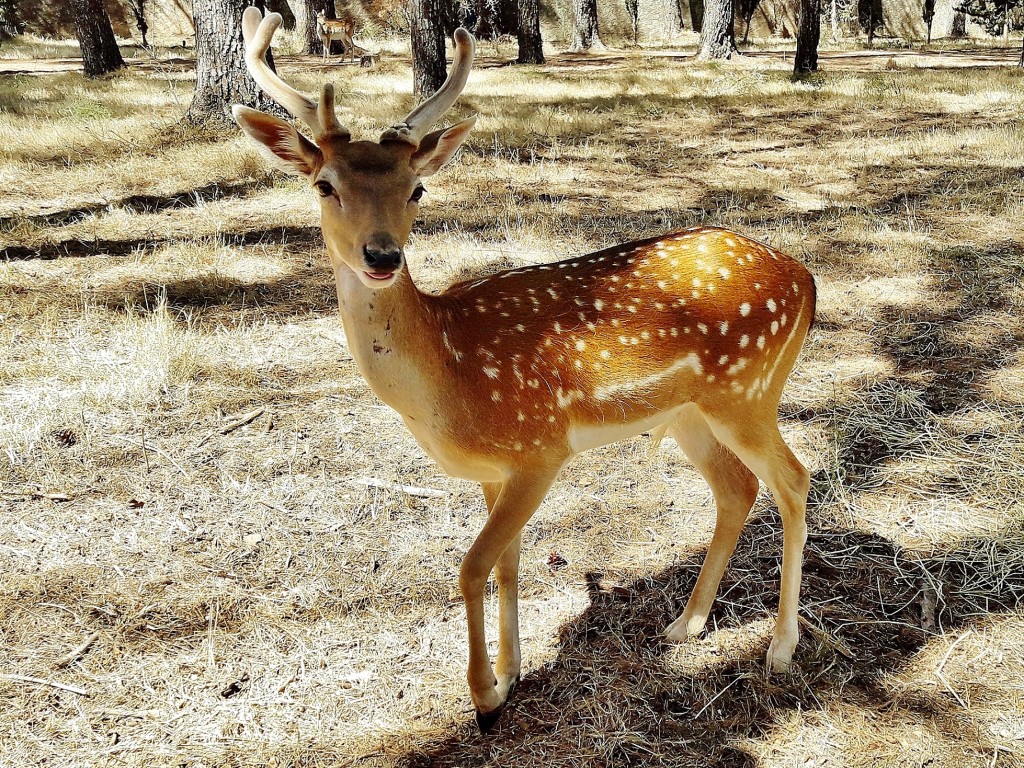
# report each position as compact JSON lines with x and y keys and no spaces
{"x":138,"y":11}
{"x":531,"y":46}
{"x":495,"y":18}
{"x":10,"y":23}
{"x":100,"y":54}
{"x":221,"y":76}
{"x":718,"y":31}
{"x":833,"y":19}
{"x":807,"y":38}
{"x":428,"y":54}
{"x":585,"y":34}
{"x":959,"y":28}
{"x":697,"y":15}
{"x":659,"y":20}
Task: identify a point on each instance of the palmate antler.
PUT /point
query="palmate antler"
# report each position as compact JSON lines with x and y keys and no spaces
{"x":320,"y":117}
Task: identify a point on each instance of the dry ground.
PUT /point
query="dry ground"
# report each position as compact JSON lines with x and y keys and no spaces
{"x":177,"y":593}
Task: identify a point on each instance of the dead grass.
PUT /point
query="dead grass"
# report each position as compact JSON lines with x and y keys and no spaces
{"x":248,"y":602}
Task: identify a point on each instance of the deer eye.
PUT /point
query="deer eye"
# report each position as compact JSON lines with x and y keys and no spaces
{"x":323,"y":188}
{"x":417,"y":194}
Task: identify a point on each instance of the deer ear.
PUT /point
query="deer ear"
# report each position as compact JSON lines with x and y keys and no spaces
{"x":437,"y":148}
{"x":279,"y":142}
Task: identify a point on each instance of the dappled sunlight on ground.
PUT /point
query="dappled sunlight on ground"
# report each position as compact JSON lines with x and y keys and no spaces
{"x":267,"y":594}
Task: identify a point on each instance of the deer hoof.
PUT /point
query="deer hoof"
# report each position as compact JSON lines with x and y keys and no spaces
{"x":486,"y":720}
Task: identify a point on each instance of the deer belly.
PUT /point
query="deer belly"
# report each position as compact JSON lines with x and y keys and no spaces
{"x":451,"y":458}
{"x":584,"y":436}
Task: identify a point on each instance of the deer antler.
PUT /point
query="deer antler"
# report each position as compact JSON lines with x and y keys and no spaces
{"x":258,"y":33}
{"x":421,"y":119}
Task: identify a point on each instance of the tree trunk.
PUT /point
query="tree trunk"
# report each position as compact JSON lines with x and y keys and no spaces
{"x":428,"y":54}
{"x":496,"y":18}
{"x":697,"y":15}
{"x":959,"y":28}
{"x":305,"y":12}
{"x":660,"y":19}
{"x":100,"y":53}
{"x":282,"y":7}
{"x":633,"y":11}
{"x":531,"y":47}
{"x":807,"y":38}
{"x":585,"y":34}
{"x":221,"y":76}
{"x":718,"y":31}
{"x":138,"y":11}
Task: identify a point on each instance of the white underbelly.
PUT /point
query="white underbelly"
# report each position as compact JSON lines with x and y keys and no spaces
{"x":583,"y":437}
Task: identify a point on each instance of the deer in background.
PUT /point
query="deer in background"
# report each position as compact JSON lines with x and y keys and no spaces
{"x":503,"y":379}
{"x":329,"y":30}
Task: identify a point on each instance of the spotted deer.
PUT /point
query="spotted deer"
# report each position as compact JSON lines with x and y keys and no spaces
{"x":328,"y":30}
{"x":503,"y":379}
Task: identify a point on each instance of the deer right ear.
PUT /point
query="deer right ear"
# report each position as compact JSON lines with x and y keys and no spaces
{"x":279,"y":142}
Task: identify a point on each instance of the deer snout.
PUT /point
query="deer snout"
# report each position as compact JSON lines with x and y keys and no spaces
{"x":382,"y":255}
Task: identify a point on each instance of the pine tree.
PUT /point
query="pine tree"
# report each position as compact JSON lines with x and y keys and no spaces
{"x":222,"y":78}
{"x":996,"y":16}
{"x":429,"y":68}
{"x":10,"y":23}
{"x":718,"y":31}
{"x":100,"y":54}
{"x":808,"y":36}
{"x":531,"y":46}
{"x":585,"y":34}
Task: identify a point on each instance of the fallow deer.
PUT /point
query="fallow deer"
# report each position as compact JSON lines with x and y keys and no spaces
{"x":503,"y":379}
{"x":328,"y":30}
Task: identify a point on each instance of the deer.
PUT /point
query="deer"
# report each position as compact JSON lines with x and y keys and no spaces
{"x":503,"y":379}
{"x":329,"y":30}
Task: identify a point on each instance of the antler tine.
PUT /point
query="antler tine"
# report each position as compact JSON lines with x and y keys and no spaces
{"x":421,"y":119}
{"x":258,"y":32}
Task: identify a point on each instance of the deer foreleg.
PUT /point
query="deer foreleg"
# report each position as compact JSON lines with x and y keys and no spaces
{"x":514,"y":501}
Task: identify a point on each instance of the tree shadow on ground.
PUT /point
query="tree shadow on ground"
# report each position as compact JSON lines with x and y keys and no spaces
{"x":936,"y":341}
{"x":221,"y":301}
{"x":294,"y":236}
{"x":618,"y":694}
{"x":140,"y":204}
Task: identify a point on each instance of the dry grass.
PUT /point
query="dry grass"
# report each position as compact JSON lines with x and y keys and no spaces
{"x":247,"y":602}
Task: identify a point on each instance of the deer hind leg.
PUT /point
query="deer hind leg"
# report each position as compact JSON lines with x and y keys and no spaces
{"x":734,"y":488}
{"x":513,"y":505}
{"x":506,"y":572}
{"x":758,"y":444}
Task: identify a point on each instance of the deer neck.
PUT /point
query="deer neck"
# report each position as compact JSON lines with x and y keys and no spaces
{"x":388,"y":333}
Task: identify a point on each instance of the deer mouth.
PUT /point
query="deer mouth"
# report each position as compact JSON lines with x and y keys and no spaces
{"x":379,"y":276}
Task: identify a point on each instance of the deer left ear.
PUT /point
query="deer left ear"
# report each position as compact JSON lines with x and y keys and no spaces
{"x":279,"y":142}
{"x":437,"y":148}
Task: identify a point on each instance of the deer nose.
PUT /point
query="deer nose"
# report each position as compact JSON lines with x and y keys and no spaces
{"x":382,"y":258}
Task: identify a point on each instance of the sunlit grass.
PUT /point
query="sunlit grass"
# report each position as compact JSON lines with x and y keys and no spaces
{"x":184,"y":284}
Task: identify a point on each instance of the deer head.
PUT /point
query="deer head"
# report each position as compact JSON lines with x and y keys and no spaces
{"x":369,"y":190}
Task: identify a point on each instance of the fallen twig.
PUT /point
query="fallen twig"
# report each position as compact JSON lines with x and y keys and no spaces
{"x":942,"y":678}
{"x":78,"y":652}
{"x":411,"y":490}
{"x":241,"y":421}
{"x":146,"y":447}
{"x":40,"y":681}
{"x":274,"y":507}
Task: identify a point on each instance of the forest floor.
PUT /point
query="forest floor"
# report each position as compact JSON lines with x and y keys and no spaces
{"x":181,"y":589}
